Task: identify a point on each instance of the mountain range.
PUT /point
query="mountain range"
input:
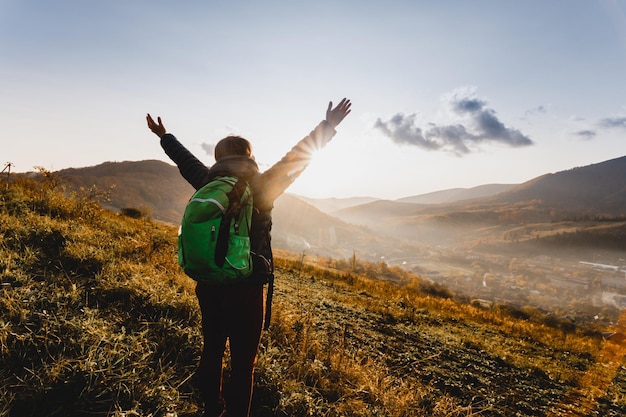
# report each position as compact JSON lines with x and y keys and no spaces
{"x":370,"y":226}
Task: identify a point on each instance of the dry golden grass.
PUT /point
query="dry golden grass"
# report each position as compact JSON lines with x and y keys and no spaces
{"x":96,"y":319}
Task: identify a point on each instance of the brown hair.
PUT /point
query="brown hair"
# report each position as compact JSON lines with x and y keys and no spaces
{"x":233,"y":146}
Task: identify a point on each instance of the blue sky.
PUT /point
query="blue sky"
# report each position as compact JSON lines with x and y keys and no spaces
{"x":445,"y":93}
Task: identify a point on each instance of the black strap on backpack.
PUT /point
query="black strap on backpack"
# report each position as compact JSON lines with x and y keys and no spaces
{"x":232,"y":212}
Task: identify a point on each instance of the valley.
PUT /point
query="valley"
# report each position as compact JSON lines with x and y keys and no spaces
{"x":580,"y":289}
{"x":550,"y":274}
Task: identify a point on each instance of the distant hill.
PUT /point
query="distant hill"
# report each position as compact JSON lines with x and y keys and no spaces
{"x":378,"y":212}
{"x":594,"y":190}
{"x":299,"y":226}
{"x":329,"y":205}
{"x":457,"y":194}
{"x":153,"y":185}
{"x":597,"y":189}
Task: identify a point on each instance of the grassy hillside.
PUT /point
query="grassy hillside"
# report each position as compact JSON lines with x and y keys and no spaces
{"x":96,"y":319}
{"x":153,"y":186}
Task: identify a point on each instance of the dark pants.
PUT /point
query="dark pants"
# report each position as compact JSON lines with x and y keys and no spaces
{"x":234,"y":313}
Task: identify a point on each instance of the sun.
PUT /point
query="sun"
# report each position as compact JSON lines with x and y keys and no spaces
{"x":325,"y":176}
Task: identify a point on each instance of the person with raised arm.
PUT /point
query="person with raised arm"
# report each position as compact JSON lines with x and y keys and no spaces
{"x":235,"y":313}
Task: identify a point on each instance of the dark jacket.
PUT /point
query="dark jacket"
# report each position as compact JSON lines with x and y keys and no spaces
{"x":266,"y":186}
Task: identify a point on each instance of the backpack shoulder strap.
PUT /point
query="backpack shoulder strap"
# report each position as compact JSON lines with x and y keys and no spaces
{"x":231,"y":212}
{"x":234,"y":197}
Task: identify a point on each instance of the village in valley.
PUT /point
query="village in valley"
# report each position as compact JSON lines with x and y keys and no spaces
{"x":583,"y":290}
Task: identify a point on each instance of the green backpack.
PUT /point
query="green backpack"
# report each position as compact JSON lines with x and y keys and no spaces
{"x":214,"y":235}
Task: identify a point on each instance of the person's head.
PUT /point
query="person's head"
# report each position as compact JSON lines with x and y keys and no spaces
{"x":233,"y":146}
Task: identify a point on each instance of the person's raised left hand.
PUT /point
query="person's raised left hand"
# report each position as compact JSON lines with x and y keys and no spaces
{"x":156,"y":128}
{"x":334,"y":116}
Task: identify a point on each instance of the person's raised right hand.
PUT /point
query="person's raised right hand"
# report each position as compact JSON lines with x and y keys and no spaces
{"x":334,"y":116}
